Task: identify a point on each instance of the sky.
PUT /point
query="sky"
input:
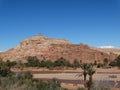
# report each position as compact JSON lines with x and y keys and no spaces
{"x":92,"y":22}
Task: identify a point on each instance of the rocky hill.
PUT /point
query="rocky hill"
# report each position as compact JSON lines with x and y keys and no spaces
{"x":52,"y":49}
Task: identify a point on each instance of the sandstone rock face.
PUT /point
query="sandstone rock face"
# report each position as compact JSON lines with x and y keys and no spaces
{"x":52,"y":49}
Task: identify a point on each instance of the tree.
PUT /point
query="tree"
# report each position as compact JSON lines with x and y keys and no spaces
{"x":118,"y":61}
{"x":85,"y":67}
{"x":99,"y":65}
{"x":90,"y":71}
{"x":105,"y":61}
{"x":113,"y":63}
{"x":32,"y":61}
{"x":61,"y":62}
{"x":95,"y":62}
{"x":49,"y":64}
{"x":76,"y":63}
{"x":43,"y":63}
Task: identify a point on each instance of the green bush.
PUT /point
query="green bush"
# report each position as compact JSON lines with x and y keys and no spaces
{"x":61,"y":62}
{"x":116,"y":62}
{"x":76,"y":63}
{"x":5,"y":69}
{"x":99,"y":65}
{"x":32,"y":61}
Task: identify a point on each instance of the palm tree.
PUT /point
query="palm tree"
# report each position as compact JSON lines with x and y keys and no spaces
{"x":90,"y":72}
{"x":85,"y":67}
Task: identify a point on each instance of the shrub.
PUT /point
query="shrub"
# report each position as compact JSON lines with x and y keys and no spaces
{"x":116,"y":62}
{"x":32,"y":61}
{"x":4,"y":69}
{"x":99,"y":65}
{"x":28,"y":75}
{"x":61,"y":62}
{"x":76,"y":63}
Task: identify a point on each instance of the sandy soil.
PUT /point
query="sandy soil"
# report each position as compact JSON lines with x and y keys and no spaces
{"x":77,"y":76}
{"x":71,"y":86}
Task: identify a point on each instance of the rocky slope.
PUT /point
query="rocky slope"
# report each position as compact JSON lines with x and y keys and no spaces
{"x":52,"y":49}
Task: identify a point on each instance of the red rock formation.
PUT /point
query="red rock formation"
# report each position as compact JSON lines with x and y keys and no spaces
{"x":52,"y":49}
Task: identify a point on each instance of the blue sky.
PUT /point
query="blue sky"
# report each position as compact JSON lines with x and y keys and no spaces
{"x":93,"y":22}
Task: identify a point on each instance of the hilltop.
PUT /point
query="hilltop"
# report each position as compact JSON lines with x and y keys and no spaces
{"x":52,"y":49}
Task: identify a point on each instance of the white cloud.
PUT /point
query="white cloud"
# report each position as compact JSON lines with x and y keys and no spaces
{"x":107,"y":47}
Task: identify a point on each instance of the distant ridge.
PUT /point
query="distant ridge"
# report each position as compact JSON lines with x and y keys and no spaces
{"x":107,"y":47}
